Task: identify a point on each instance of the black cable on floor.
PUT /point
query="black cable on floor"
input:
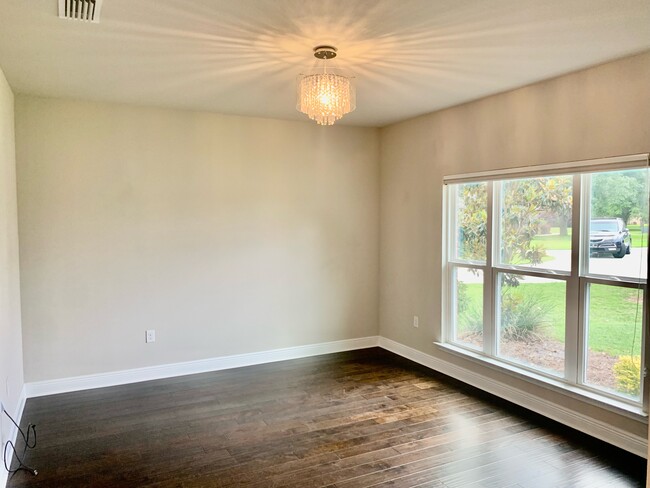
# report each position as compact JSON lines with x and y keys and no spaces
{"x":31,"y":429}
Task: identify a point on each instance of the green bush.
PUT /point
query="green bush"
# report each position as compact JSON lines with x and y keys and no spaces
{"x":522,"y":316}
{"x":470,"y":311}
{"x":471,"y":319}
{"x":627,"y":371}
{"x":461,"y":296}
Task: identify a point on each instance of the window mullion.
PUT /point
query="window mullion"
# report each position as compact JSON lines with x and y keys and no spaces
{"x":645,"y":338}
{"x":448,"y":328}
{"x":573,"y":313}
{"x":489,"y":296}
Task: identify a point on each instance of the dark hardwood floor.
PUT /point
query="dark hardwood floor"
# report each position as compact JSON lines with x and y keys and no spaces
{"x":357,"y":419}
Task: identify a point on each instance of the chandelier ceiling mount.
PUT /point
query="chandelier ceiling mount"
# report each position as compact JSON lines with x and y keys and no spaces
{"x":325,"y":52}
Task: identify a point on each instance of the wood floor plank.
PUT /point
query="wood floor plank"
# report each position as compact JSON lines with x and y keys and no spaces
{"x":349,"y":420}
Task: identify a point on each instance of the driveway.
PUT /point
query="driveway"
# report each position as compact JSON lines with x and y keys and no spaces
{"x":629,"y":266}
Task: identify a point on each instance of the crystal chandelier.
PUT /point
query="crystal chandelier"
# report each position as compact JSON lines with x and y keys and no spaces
{"x":325,"y":97}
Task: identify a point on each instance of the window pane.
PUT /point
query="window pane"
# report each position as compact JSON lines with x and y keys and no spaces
{"x":469,"y":308}
{"x":471,"y":221}
{"x":535,"y":222}
{"x":614,"y":324}
{"x":618,"y":229}
{"x":531,"y":321}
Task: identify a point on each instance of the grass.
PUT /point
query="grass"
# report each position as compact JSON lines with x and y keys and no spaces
{"x":555,"y":242}
{"x":612,"y":313}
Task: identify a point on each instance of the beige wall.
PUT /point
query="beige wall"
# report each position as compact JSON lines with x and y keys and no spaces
{"x":225,"y":234}
{"x":11,"y":349}
{"x":603,"y":111}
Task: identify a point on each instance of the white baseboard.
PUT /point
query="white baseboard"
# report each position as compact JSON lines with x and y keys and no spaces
{"x":601,"y":430}
{"x":13,"y":433}
{"x":78,"y":383}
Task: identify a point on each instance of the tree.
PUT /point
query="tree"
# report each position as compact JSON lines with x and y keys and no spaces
{"x":621,"y":194}
{"x":557,"y":196}
{"x":472,"y":221}
{"x":526,"y":202}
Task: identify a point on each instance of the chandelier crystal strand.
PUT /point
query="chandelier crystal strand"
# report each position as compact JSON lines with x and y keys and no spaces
{"x":325,"y":97}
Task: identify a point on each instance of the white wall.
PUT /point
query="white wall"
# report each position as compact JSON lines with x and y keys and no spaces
{"x":11,"y":349}
{"x":225,"y":234}
{"x":599,"y":112}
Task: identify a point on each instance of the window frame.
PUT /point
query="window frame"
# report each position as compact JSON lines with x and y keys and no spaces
{"x":577,"y":280}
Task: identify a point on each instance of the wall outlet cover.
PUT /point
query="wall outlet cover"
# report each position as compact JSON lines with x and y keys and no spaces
{"x":150,"y":336}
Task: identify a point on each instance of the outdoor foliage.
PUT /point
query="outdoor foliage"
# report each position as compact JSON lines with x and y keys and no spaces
{"x":622,"y":194}
{"x":523,"y":200}
{"x":472,"y":225}
{"x":523,"y":315}
{"x":627,"y":371}
{"x":471,"y":321}
{"x":532,"y":215}
{"x":470,"y":310}
{"x":557,"y":196}
{"x":529,"y":202}
{"x":605,"y":333}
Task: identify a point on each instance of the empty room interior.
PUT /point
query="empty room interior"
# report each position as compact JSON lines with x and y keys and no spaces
{"x":342,"y":243}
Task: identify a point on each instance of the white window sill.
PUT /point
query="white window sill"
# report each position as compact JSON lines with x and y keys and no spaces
{"x":620,"y":407}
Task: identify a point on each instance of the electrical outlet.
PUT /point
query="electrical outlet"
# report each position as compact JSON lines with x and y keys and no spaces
{"x":416,"y":321}
{"x":150,"y":336}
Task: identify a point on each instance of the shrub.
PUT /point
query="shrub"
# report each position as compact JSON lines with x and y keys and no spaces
{"x":461,"y":295}
{"x":471,"y":320}
{"x":522,"y":316}
{"x":470,"y":313}
{"x":627,"y":371}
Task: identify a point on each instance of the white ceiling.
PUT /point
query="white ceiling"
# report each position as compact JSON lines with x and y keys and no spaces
{"x":242,"y":56}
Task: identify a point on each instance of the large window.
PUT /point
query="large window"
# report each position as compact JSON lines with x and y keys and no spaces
{"x":546,"y":272}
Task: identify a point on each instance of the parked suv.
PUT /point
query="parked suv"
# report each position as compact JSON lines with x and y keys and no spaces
{"x":609,"y":236}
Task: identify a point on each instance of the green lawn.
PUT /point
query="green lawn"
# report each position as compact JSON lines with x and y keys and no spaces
{"x":554,"y":241}
{"x":613,"y":313}
{"x":637,"y":238}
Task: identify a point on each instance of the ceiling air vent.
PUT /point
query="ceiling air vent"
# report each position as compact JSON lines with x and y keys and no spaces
{"x":85,"y":10}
